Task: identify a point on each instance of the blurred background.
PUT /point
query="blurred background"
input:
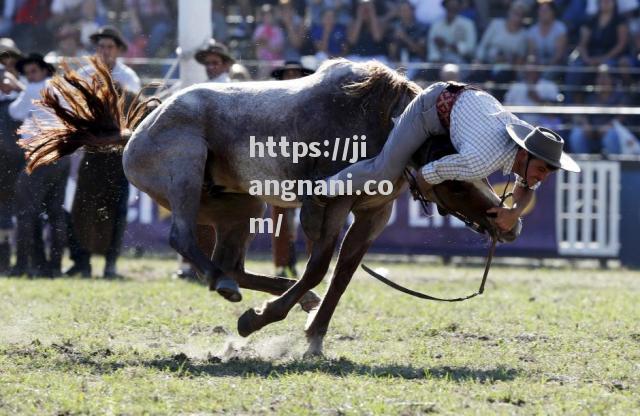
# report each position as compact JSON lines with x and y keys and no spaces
{"x":571,"y":65}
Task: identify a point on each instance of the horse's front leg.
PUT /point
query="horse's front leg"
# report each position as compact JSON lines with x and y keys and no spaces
{"x":366,"y":227}
{"x":322,"y":251}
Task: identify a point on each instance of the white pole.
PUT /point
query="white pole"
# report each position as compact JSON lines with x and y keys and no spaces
{"x":194,"y":29}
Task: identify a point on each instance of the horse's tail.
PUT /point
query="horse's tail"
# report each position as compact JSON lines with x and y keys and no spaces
{"x":90,"y":112}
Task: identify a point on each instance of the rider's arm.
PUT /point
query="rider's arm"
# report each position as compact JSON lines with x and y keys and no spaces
{"x":462,"y":167}
{"x":506,"y":218}
{"x":521,"y":198}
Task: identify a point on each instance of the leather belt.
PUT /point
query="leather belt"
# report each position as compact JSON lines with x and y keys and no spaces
{"x":446,"y":100}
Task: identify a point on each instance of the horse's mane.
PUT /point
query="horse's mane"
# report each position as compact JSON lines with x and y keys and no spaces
{"x":381,"y":88}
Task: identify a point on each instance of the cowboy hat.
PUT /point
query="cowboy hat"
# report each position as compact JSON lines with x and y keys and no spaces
{"x":34,"y":58}
{"x":291,"y":65}
{"x":8,"y":48}
{"x":543,"y":143}
{"x":111,"y":33}
{"x":214,"y":47}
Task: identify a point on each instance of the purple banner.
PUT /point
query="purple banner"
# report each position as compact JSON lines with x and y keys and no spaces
{"x":408,"y":231}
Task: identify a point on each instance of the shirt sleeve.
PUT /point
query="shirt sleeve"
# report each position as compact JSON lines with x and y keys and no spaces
{"x":460,"y":167}
{"x":20,"y":107}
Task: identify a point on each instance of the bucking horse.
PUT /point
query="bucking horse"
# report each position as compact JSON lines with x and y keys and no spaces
{"x":192,"y":155}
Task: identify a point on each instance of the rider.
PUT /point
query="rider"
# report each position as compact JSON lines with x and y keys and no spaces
{"x":486,"y":136}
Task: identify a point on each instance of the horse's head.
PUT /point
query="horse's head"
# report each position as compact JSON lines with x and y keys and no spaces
{"x":470,"y":201}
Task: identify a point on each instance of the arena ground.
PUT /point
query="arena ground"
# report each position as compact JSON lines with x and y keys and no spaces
{"x":539,"y":341}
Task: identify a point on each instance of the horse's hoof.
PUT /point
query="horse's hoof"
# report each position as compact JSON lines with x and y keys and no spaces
{"x":246,"y":323}
{"x":228,"y":289}
{"x":313,"y":354}
{"x":314,"y":350}
{"x":310,"y":301}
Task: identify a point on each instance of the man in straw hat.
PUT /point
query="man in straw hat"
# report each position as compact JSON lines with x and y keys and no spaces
{"x":217,"y":61}
{"x":487,"y":138}
{"x":291,"y":70}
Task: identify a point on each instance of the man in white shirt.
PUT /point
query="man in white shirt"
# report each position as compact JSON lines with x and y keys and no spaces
{"x":217,"y":61}
{"x":99,"y":211}
{"x":453,"y":38}
{"x":110,"y":45}
{"x":487,"y":139}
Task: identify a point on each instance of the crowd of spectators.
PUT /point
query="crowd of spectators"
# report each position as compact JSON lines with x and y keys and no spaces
{"x":500,"y":44}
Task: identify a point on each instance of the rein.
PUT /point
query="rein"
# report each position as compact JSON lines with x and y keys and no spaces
{"x":418,"y":195}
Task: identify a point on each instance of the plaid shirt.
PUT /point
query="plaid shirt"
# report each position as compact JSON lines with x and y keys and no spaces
{"x":478,"y":132}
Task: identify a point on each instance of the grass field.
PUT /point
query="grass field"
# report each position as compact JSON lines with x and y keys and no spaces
{"x":538,"y":342}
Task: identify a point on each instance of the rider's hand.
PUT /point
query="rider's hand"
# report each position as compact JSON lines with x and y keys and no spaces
{"x":423,"y":185}
{"x":506,"y":218}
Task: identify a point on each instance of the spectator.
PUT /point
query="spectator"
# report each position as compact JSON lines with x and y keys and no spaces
{"x":629,"y":64}
{"x":342,"y":8}
{"x":596,"y":133}
{"x":41,"y":192}
{"x":99,"y":209}
{"x":428,"y":12}
{"x":283,"y":246}
{"x":269,"y":39}
{"x":533,"y":90}
{"x":216,"y":60}
{"x":69,"y":45}
{"x":408,"y":41}
{"x":11,"y":157}
{"x":64,"y":12}
{"x":603,"y":40}
{"x":504,"y":42}
{"x":30,"y":25}
{"x":574,"y":15}
{"x":366,"y":34}
{"x":92,"y":18}
{"x":505,"y":39}
{"x":6,"y":17}
{"x":626,"y":8}
{"x":294,"y":30}
{"x":153,"y":20}
{"x":9,"y":56}
{"x":329,"y":37}
{"x":453,"y":38}
{"x":547,"y":39}
{"x":110,"y":45}
{"x":219,"y":21}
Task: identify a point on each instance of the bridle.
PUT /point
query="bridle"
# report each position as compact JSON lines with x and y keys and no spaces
{"x":420,"y":197}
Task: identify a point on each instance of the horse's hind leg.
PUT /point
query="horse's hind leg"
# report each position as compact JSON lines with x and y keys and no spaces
{"x":231,"y":214}
{"x":366,"y":227}
{"x":175,"y":174}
